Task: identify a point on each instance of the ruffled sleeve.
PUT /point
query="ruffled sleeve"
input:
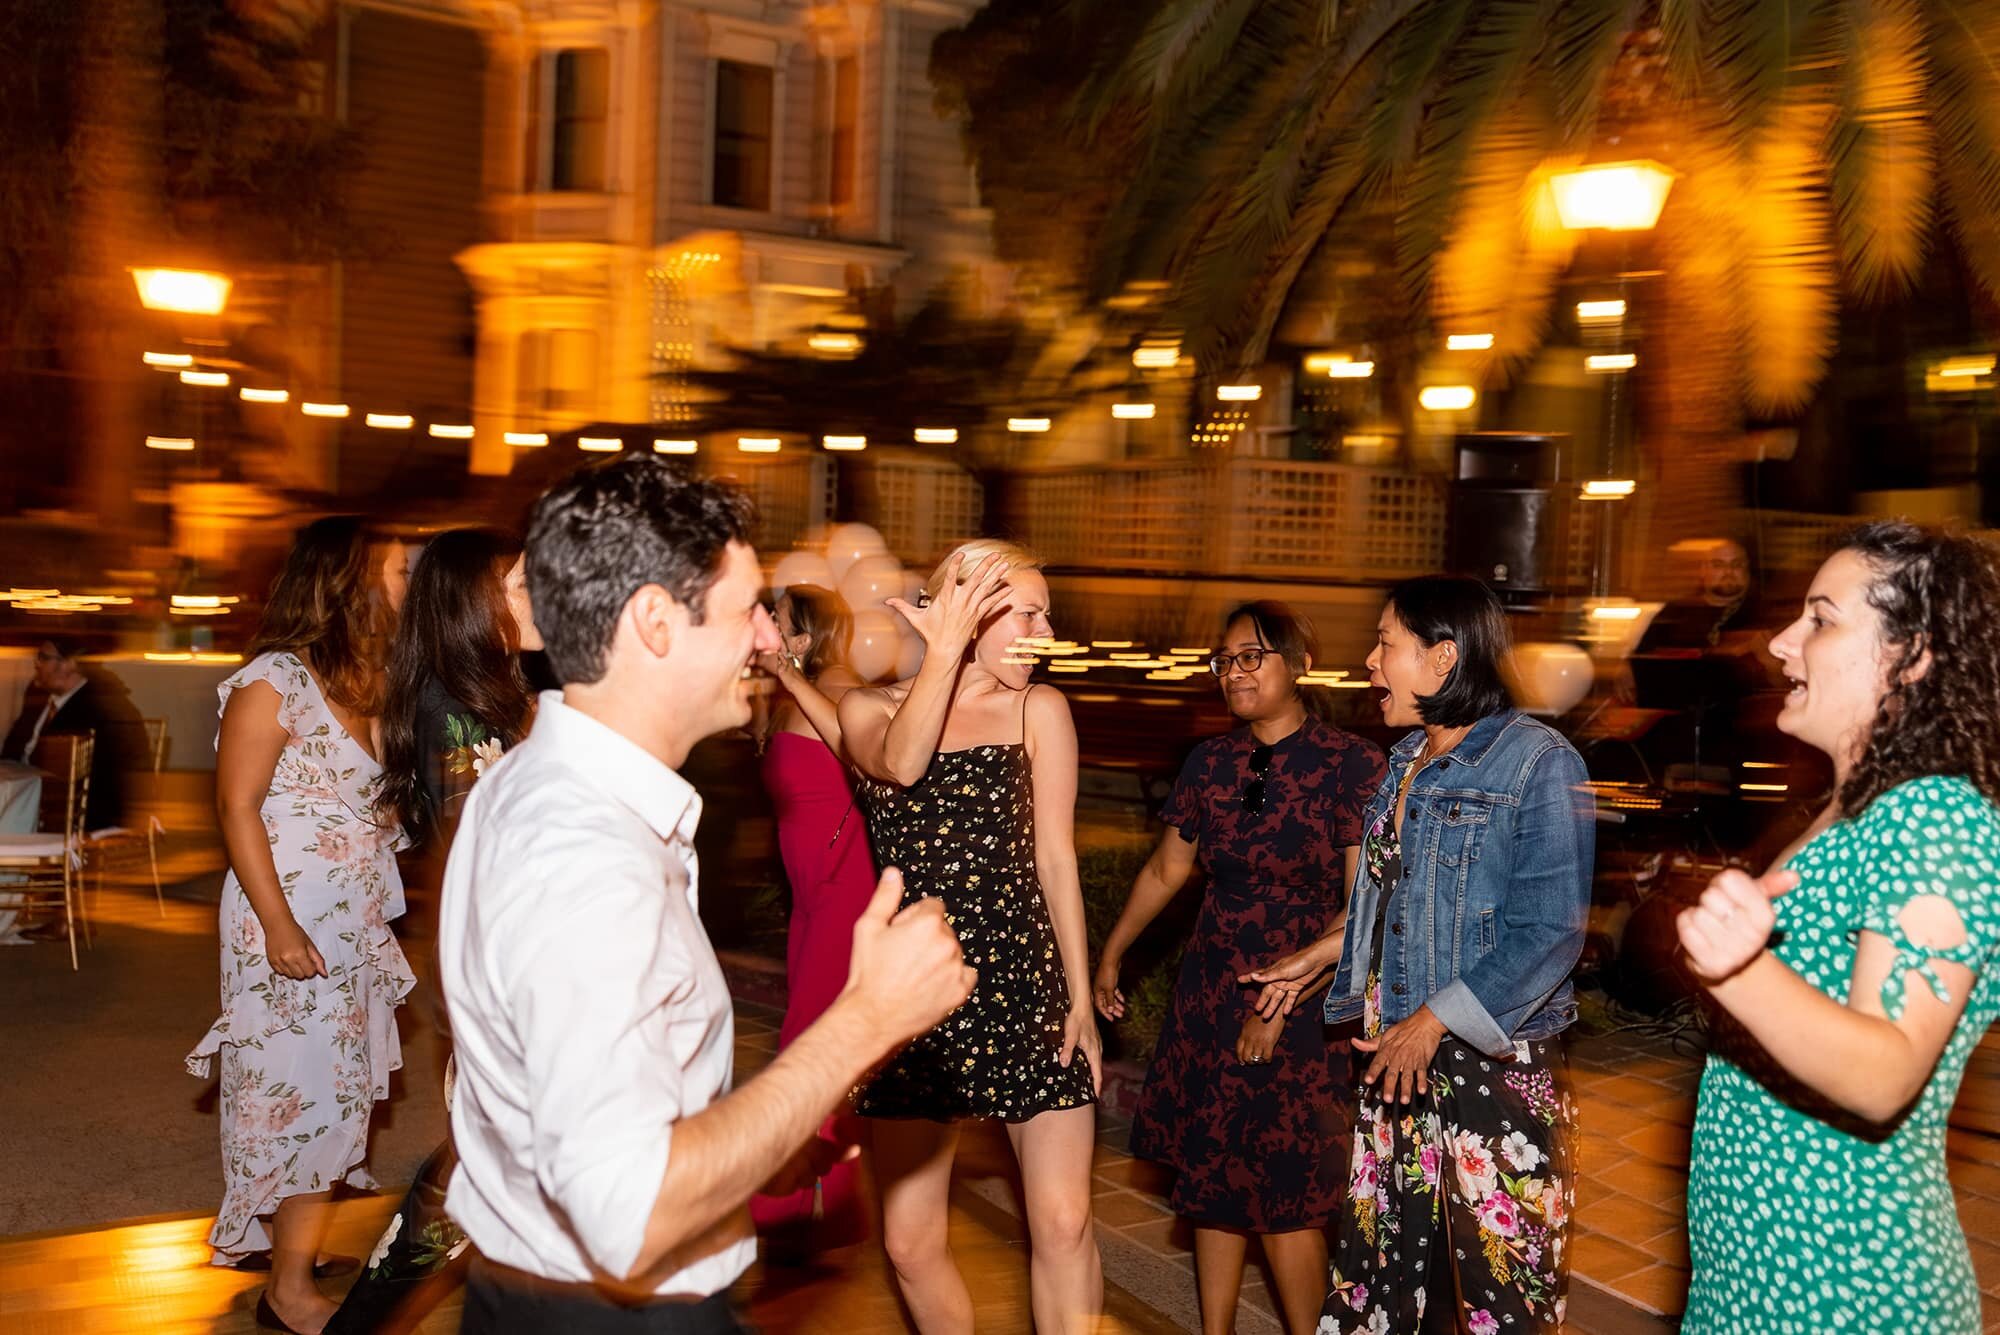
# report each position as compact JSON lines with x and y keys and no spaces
{"x":285,"y":674}
{"x":1930,"y":837}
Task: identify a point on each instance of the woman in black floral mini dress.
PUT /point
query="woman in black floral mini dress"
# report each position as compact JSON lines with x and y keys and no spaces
{"x":1252,"y":1113}
{"x":968,"y":779}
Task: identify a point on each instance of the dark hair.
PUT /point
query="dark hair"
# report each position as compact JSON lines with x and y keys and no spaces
{"x":1436,"y":608}
{"x":610,"y":530}
{"x":457,"y":631}
{"x":328,"y":606}
{"x":1936,"y":593}
{"x":67,"y":647}
{"x":821,"y":616}
{"x":1278,"y":627}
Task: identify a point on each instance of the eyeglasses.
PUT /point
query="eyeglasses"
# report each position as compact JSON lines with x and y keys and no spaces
{"x":1260,"y":767}
{"x":1249,"y":660}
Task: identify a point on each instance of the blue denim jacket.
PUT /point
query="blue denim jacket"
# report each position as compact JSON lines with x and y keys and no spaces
{"x":1498,"y":839}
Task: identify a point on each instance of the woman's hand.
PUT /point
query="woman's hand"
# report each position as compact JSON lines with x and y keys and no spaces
{"x":1403,"y":1055}
{"x":1285,"y":980}
{"x":1080,"y":1035}
{"x":1730,"y":924}
{"x":1259,"y":1038}
{"x":291,"y":952}
{"x":1104,"y":988}
{"x":953,"y":618}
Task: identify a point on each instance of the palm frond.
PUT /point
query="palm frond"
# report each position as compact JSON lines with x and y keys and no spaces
{"x":1502,"y":261}
{"x":1486,"y":64}
{"x":1583,"y":45}
{"x":1790,"y":279}
{"x":1882,"y":166}
{"x":1964,"y":46}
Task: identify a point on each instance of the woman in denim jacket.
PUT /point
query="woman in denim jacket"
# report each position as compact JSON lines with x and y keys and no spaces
{"x":1467,"y":916}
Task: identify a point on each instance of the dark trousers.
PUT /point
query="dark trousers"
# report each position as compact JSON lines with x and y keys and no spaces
{"x":500,"y":1301}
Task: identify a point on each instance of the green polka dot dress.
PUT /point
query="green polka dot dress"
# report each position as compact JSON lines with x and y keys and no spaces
{"x":1803,"y":1220}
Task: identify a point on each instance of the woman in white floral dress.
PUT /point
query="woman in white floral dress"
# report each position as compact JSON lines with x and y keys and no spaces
{"x":311,"y":974}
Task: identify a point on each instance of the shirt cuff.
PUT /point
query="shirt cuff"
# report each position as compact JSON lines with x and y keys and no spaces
{"x":1460,"y":1012}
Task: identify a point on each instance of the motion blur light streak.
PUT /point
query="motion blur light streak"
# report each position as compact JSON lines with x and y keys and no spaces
{"x":1468,"y":342}
{"x":527,"y":439}
{"x":937,"y":435}
{"x":251,"y":395}
{"x":180,"y":444}
{"x":324,"y":409}
{"x":676,"y":446}
{"x":1447,"y":398}
{"x":390,"y":421}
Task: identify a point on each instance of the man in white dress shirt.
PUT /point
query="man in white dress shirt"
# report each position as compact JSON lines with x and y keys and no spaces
{"x":604,"y":1161}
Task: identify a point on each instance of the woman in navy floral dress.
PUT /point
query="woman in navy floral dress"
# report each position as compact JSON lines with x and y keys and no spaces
{"x":1252,"y":1113}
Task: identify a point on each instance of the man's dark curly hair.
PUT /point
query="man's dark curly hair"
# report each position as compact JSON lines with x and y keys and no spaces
{"x":1935,"y":592}
{"x":607,"y":532}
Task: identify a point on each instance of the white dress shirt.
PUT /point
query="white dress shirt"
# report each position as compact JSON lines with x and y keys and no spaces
{"x":588,"y":1010}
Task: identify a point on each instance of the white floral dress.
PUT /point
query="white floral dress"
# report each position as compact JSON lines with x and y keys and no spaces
{"x":303,"y":1061}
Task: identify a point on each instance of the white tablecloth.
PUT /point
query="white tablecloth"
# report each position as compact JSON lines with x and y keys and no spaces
{"x":20,"y":803}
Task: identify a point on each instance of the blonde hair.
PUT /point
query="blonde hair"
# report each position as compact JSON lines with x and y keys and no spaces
{"x":1012,"y":555}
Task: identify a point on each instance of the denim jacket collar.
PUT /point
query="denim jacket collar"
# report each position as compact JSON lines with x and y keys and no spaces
{"x":1471,"y":750}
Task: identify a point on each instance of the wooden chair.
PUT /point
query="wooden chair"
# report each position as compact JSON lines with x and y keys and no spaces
{"x":45,"y":870}
{"x":112,"y":845}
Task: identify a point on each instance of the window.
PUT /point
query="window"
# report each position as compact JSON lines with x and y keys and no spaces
{"x":742,"y":167}
{"x":582,"y":101}
{"x":840,"y":123}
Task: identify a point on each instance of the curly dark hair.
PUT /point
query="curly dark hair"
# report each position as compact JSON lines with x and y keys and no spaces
{"x":1935,"y":593}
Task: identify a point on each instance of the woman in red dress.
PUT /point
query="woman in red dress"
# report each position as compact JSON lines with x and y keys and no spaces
{"x":823,"y":842}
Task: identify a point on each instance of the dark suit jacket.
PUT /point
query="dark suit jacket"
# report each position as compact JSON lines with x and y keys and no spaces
{"x":102,"y":707}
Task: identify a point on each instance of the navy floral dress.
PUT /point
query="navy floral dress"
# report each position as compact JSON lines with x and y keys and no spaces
{"x":1257,"y":1147}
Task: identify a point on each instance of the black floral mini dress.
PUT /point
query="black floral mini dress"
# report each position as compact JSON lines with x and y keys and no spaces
{"x":965,"y":833}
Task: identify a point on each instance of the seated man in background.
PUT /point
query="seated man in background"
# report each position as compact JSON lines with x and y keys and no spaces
{"x":63,"y":698}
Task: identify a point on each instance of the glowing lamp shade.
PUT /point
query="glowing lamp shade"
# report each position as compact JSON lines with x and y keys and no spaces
{"x":183,"y":291}
{"x":1616,"y":196}
{"x":1447,"y":398}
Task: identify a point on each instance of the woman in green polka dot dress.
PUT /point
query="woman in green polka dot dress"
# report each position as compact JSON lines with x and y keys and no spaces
{"x":1860,"y":970}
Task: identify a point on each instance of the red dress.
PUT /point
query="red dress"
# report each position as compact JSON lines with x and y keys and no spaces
{"x":823,"y":842}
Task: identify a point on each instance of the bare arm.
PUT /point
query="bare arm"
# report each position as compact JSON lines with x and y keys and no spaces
{"x":906,"y":974}
{"x":818,"y":702}
{"x":1163,"y":877}
{"x":1052,"y":754}
{"x":1853,"y":1054}
{"x":247,"y":753}
{"x":895,"y":742}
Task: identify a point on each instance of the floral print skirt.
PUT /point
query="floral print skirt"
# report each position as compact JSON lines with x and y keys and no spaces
{"x":1462,"y":1197}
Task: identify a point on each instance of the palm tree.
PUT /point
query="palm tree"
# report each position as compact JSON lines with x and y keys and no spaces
{"x":1819,"y":143}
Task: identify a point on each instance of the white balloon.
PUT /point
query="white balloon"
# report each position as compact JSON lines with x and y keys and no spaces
{"x":848,"y":543}
{"x":800,"y":568}
{"x":911,"y":657}
{"x":871,"y":579}
{"x":1552,"y":678}
{"x":875,"y":646}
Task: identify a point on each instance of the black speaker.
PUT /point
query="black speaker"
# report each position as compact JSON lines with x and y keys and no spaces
{"x":1505,"y":521}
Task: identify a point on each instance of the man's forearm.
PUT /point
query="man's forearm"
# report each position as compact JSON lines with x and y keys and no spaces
{"x":724,"y":1153}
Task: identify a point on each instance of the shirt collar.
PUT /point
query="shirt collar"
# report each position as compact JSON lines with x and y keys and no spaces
{"x":70,"y":694}
{"x":617,"y":767}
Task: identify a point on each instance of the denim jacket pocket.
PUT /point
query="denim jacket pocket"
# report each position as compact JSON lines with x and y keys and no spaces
{"x":1461,"y":826}
{"x":1486,"y":931}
